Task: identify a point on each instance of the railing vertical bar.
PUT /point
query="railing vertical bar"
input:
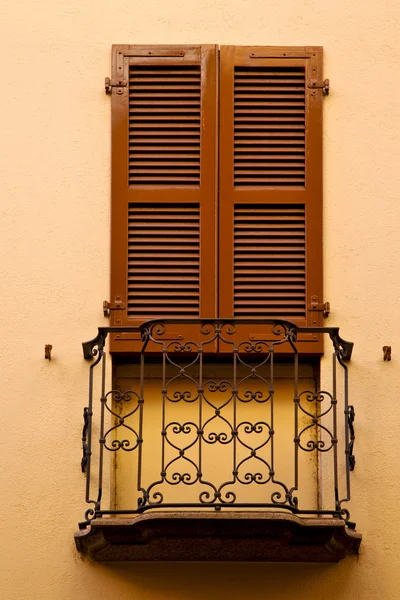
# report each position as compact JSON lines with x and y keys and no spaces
{"x":296,"y":419}
{"x":335,"y":432}
{"x":200,"y":429}
{"x":164,"y":393}
{"x":141,"y":408}
{"x":235,"y":432}
{"x":347,"y":433}
{"x":272,"y":430}
{"x":102,"y":440}
{"x":89,"y":431}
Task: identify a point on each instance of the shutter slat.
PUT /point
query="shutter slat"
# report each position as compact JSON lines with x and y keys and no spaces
{"x":267,"y":71}
{"x":145,"y":158}
{"x":279,"y":312}
{"x":159,"y":120}
{"x":253,"y":95}
{"x":275,"y":151}
{"x":161,"y":117}
{"x":169,"y":311}
{"x":172,"y":153}
{"x":187,"y":171}
{"x":154,"y":261}
{"x":163,"y":113}
{"x":264,"y":91}
{"x":269,"y":272}
{"x":246,"y":171}
{"x":166,"y":70}
{"x":152,"y":275}
{"x":261,"y":126}
{"x":269,"y":142}
{"x":167,"y":137}
{"x":160,"y":163}
{"x":268,"y":88}
{"x":166,"y":179}
{"x":171,"y":127}
{"x":156,"y":295}
{"x":271,"y":165}
{"x":254,"y":133}
{"x":270,"y":119}
{"x":168,"y":104}
{"x":255,"y":104}
{"x":250,"y":281}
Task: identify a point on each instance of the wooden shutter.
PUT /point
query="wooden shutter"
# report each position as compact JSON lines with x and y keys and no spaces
{"x":270,"y":205}
{"x":164,"y":105}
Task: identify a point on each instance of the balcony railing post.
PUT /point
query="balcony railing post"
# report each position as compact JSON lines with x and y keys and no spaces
{"x":335,"y":432}
{"x":140,"y":439}
{"x":200,"y":391}
{"x":97,"y":351}
{"x":296,"y":419}
{"x":349,"y":440}
{"x":103,"y":400}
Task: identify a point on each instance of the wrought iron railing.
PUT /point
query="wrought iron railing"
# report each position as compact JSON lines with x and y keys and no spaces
{"x":242,"y":429}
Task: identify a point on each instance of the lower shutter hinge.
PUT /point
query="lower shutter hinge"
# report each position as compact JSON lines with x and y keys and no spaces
{"x":318,"y":85}
{"x":108,"y":306}
{"x":115,"y":83}
{"x":323,"y":307}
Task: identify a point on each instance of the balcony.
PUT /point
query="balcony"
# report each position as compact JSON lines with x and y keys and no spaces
{"x":217,"y":447}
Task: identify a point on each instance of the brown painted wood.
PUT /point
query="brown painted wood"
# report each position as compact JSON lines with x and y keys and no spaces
{"x":270,"y":169}
{"x":164,"y":161}
{"x":163,"y":167}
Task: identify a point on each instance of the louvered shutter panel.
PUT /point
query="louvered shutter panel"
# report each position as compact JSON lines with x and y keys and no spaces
{"x":163,"y":186}
{"x":270,"y":259}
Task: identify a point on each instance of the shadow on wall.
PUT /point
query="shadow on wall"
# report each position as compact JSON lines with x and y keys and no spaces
{"x":231,"y":581}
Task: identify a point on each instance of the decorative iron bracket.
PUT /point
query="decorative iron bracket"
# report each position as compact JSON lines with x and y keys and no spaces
{"x":109,"y":84}
{"x":346,"y":349}
{"x":85,"y":446}
{"x":351,"y":416}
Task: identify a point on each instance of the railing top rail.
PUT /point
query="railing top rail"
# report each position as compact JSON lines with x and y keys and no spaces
{"x":342,"y":346}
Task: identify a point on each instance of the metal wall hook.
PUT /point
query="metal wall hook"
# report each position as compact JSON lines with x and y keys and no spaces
{"x":387,"y":352}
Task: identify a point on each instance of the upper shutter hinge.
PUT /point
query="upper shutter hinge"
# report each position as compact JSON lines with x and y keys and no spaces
{"x":324,"y":85}
{"x":108,"y":306}
{"x":109,"y":84}
{"x":323,"y":307}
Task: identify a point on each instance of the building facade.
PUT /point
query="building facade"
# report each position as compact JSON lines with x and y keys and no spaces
{"x":56,"y":271}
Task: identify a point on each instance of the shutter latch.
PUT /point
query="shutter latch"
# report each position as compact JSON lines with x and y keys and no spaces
{"x":323,"y":307}
{"x":108,"y":306}
{"x":318,"y":85}
{"x":115,"y":83}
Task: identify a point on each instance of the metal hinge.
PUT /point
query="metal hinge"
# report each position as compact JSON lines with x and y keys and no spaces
{"x":323,"y":307}
{"x":117,"y":305}
{"x":318,"y":85}
{"x":115,"y":83}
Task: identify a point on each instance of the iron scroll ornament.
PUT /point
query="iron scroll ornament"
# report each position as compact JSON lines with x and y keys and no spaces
{"x":343,"y":347}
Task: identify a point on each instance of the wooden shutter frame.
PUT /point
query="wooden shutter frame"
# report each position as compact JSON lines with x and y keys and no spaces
{"x":122,"y":194}
{"x":310,"y":195}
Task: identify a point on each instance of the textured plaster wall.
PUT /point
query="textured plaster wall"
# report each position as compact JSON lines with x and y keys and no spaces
{"x":54,"y":248}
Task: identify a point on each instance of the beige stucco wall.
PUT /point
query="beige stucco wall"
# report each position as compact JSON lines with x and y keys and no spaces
{"x":54,"y":248}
